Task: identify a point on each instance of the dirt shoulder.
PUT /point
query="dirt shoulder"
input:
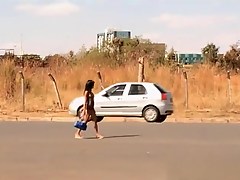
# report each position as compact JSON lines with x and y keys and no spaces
{"x":185,"y":117}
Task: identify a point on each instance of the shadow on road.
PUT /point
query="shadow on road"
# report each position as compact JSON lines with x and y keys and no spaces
{"x":117,"y":136}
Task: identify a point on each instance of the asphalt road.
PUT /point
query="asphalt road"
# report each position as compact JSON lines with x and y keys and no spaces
{"x":131,"y":150}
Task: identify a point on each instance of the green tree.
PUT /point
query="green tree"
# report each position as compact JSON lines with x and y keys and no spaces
{"x":82,"y":52}
{"x":172,"y":56}
{"x":232,"y":57}
{"x":117,"y":50}
{"x":122,"y":51}
{"x":210,"y":53}
{"x":154,"y":53}
{"x":71,"y":54}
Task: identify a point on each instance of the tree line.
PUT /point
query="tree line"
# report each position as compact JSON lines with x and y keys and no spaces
{"x":122,"y":51}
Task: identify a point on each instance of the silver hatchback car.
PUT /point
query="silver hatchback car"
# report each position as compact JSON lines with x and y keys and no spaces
{"x":130,"y":99}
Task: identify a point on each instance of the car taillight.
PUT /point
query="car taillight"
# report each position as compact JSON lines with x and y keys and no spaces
{"x":164,"y":96}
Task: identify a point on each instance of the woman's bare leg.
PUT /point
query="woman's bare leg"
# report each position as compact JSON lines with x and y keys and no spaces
{"x":99,"y":136}
{"x":94,"y":119}
{"x":78,"y":134}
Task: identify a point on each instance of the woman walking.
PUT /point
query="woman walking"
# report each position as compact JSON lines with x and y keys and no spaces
{"x":88,"y":112}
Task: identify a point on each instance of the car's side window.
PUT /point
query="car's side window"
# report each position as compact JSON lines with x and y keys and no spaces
{"x":116,"y":90}
{"x":137,"y":89}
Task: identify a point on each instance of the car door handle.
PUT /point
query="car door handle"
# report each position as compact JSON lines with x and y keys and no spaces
{"x":119,"y":98}
{"x":144,"y":97}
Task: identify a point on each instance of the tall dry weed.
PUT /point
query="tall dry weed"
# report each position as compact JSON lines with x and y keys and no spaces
{"x":7,"y":80}
{"x":207,"y":87}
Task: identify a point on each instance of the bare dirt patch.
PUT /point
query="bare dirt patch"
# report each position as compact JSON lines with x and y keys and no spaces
{"x":205,"y":115}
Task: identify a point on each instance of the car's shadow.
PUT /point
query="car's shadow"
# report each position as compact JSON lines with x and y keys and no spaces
{"x":116,"y":136}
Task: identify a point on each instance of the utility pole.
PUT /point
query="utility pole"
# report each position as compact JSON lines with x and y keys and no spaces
{"x":21,"y":51}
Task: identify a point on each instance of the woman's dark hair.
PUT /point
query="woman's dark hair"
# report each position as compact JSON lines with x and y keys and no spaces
{"x":89,"y":85}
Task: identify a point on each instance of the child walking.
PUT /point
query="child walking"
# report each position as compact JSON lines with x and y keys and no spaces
{"x":88,"y":112}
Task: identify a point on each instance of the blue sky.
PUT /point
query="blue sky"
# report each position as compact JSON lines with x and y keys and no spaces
{"x":58,"y":26}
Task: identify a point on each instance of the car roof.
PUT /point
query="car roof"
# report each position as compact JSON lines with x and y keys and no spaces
{"x":134,"y":83}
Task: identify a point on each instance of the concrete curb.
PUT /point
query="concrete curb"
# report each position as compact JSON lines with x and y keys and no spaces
{"x":124,"y":119}
{"x":204,"y":120}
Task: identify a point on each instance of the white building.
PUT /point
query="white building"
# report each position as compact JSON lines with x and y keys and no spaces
{"x":109,"y":35}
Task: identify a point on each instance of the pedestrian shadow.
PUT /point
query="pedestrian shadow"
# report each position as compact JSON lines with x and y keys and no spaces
{"x":116,"y":136}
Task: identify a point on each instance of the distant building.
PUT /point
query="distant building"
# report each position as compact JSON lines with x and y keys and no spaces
{"x":109,"y":35}
{"x":189,"y":58}
{"x":6,"y":51}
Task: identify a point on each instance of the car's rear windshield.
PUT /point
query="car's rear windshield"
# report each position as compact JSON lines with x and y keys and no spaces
{"x":160,"y":88}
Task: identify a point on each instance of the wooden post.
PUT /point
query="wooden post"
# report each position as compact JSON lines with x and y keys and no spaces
{"x":100,"y":79}
{"x":56,"y":90}
{"x":186,"y":88}
{"x":178,"y":68}
{"x":229,"y":87}
{"x":141,"y":69}
{"x":22,"y":90}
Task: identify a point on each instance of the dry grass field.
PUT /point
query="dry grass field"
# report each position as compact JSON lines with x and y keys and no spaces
{"x":208,"y":88}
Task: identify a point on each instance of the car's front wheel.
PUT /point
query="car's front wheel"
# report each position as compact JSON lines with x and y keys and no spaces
{"x":151,"y":114}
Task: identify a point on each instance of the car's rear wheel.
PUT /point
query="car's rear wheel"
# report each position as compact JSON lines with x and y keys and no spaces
{"x":78,"y":111}
{"x":161,"y":118}
{"x":151,"y":114}
{"x":99,"y":118}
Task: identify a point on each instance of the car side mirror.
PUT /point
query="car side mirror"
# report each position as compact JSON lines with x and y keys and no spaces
{"x":106,"y":94}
